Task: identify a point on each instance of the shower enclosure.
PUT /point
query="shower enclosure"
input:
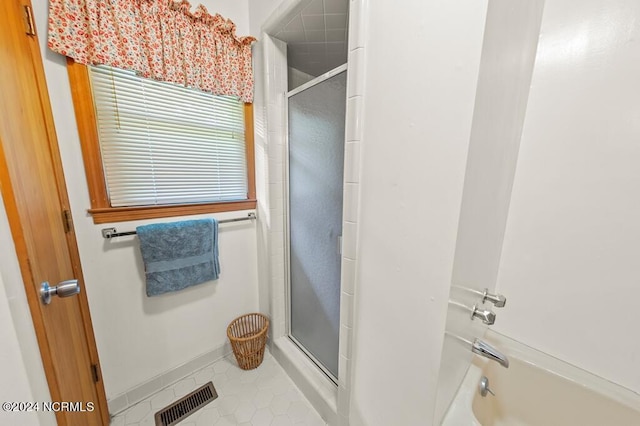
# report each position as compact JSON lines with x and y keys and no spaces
{"x":316,"y":117}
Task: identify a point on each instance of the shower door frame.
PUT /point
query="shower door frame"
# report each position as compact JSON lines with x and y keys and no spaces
{"x":287,"y":239}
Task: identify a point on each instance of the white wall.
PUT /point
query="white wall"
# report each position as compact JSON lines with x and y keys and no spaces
{"x":508,"y":52}
{"x":237,"y":11}
{"x":21,"y":370}
{"x":259,"y":12}
{"x":417,"y":108}
{"x":570,"y":263}
{"x":12,"y":367}
{"x":139,"y":337}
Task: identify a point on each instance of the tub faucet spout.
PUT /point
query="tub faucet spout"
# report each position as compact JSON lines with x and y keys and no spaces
{"x":486,"y":350}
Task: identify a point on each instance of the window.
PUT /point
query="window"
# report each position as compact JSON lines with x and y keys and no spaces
{"x":154,"y":149}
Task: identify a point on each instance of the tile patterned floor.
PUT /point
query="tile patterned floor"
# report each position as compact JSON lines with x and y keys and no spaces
{"x":265,"y":396}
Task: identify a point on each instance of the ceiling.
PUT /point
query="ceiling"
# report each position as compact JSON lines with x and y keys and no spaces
{"x":316,"y":36}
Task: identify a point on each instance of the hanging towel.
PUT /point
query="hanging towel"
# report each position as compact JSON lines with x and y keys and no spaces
{"x":177,"y":255}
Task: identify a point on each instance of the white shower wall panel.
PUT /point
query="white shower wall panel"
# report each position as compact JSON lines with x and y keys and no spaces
{"x":570,"y":258}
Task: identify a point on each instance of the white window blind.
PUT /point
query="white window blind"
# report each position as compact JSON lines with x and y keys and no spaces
{"x":166,"y":144}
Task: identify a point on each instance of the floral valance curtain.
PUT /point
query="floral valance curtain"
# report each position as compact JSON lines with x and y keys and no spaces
{"x":159,"y":39}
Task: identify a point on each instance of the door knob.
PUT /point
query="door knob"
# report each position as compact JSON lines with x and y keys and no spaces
{"x":64,"y":289}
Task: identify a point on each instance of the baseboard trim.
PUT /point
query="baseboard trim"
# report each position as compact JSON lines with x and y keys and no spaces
{"x":144,"y":390}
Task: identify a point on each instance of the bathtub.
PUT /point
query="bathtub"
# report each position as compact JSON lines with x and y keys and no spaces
{"x":539,"y":390}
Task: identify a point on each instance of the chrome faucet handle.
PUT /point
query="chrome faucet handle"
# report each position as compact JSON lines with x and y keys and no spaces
{"x":487,"y":316}
{"x":498,"y":300}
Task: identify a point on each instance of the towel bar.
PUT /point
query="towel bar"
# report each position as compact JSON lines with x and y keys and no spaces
{"x":109,"y":233}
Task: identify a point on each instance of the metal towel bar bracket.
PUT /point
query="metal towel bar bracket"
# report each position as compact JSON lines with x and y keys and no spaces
{"x":109,"y":233}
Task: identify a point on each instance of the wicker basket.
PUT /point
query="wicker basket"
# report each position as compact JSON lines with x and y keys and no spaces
{"x":248,"y":337}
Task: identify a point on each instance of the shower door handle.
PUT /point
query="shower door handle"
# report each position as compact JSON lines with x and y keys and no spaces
{"x":340,"y":245}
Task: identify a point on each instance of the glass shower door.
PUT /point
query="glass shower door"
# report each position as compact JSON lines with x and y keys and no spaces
{"x":316,"y":117}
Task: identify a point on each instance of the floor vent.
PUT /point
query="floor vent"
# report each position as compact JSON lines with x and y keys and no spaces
{"x":186,"y":405}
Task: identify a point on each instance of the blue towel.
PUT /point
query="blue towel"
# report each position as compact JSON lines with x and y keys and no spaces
{"x":177,"y":255}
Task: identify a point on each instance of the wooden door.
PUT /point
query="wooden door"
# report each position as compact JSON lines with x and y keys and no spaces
{"x":36,"y":201}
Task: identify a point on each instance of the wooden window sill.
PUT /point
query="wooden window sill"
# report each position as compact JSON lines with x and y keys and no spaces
{"x":121,"y":214}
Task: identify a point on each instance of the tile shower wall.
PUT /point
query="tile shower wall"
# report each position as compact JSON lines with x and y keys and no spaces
{"x":274,"y":54}
{"x":353,"y":135}
{"x":273,"y":249}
